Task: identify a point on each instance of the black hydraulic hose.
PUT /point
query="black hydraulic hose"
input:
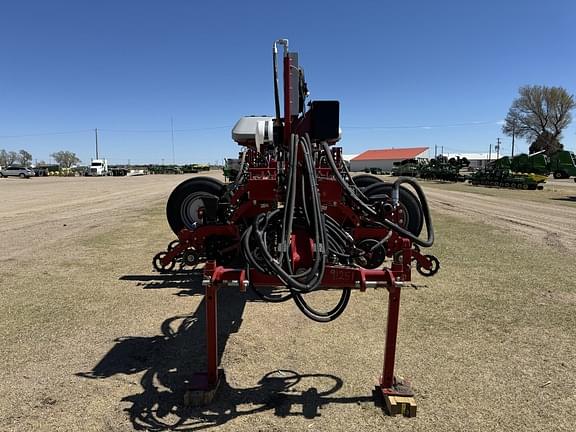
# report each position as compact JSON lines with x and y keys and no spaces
{"x":306,"y":309}
{"x":287,"y":278}
{"x":359,"y":192}
{"x":319,"y":220}
{"x":344,"y":183}
{"x":395,"y":196}
{"x":425,"y":211}
{"x":323,"y":317}
{"x":304,"y":205}
{"x":270,"y":299}
{"x":327,"y":235}
{"x":290,"y":201}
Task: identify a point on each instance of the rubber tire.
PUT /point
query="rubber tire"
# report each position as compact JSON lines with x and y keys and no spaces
{"x":407,"y":199}
{"x":22,"y":175}
{"x":197,"y":184}
{"x":559,"y":175}
{"x":365,"y":180}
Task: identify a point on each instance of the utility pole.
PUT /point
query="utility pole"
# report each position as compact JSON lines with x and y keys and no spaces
{"x":442,"y":151}
{"x":513,"y":133}
{"x":172,"y":135}
{"x":497,"y":148}
{"x":96,"y":134}
{"x":490,"y":153}
{"x":435,"y":151}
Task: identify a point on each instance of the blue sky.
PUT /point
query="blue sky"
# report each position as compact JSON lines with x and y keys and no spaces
{"x":412,"y":73}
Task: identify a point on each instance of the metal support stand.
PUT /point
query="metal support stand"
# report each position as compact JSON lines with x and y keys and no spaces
{"x":205,"y":384}
{"x":397,"y":394}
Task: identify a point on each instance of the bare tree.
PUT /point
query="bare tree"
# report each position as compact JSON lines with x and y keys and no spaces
{"x":11,"y":157}
{"x":3,"y":158}
{"x":24,"y":158}
{"x":540,"y":114}
{"x":65,"y":158}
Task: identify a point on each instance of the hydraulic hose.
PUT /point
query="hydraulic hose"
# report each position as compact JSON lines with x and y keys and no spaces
{"x":327,"y":235}
{"x":425,"y":211}
{"x":344,"y":183}
{"x":395,"y":197}
{"x":323,"y":317}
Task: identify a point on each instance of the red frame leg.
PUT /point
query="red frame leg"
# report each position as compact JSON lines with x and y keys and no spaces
{"x":211,"y":299}
{"x":203,"y":385}
{"x":389,"y":384}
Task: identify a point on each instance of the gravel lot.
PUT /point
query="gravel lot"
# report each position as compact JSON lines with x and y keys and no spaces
{"x":93,"y":340}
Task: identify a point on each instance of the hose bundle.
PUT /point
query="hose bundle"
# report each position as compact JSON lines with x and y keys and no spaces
{"x":328,"y":238}
{"x":266,"y":244}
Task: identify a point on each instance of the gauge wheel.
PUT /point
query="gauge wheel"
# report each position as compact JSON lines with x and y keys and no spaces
{"x":157,"y":264}
{"x":411,"y":216}
{"x":365,"y":180}
{"x":187,"y":198}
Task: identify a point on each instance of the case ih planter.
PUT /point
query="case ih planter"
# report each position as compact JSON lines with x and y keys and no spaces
{"x":294,"y":221}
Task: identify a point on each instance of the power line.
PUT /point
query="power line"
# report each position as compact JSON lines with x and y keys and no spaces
{"x":453,"y":125}
{"x":164,"y":130}
{"x":434,"y":126}
{"x":47,"y":133}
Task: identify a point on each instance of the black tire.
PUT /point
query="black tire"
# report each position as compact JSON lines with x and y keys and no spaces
{"x":22,"y":175}
{"x":559,"y":175}
{"x":365,"y":180}
{"x":407,"y":199}
{"x":174,"y":207}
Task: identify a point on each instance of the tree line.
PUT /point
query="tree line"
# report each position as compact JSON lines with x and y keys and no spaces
{"x":64,"y":158}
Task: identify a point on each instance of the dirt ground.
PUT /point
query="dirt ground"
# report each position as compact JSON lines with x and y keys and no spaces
{"x":93,"y":340}
{"x":547,"y":217}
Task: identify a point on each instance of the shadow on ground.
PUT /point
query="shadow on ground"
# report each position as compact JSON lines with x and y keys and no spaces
{"x":169,"y":361}
{"x":189,"y":282}
{"x":566,"y":198}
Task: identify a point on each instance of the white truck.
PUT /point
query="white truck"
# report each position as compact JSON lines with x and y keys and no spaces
{"x":98,"y":167}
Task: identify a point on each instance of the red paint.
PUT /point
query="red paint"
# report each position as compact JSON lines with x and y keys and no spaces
{"x":211,"y":299}
{"x":391,"y":334}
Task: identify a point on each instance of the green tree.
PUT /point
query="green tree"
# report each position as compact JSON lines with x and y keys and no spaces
{"x":65,"y":158}
{"x":547,"y":142}
{"x":539,"y":114}
{"x":24,"y":157}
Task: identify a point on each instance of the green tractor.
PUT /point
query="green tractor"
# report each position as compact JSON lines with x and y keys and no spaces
{"x":520,"y":172}
{"x":526,"y":171}
{"x":444,"y":168}
{"x":407,"y":168}
{"x":563,"y":165}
